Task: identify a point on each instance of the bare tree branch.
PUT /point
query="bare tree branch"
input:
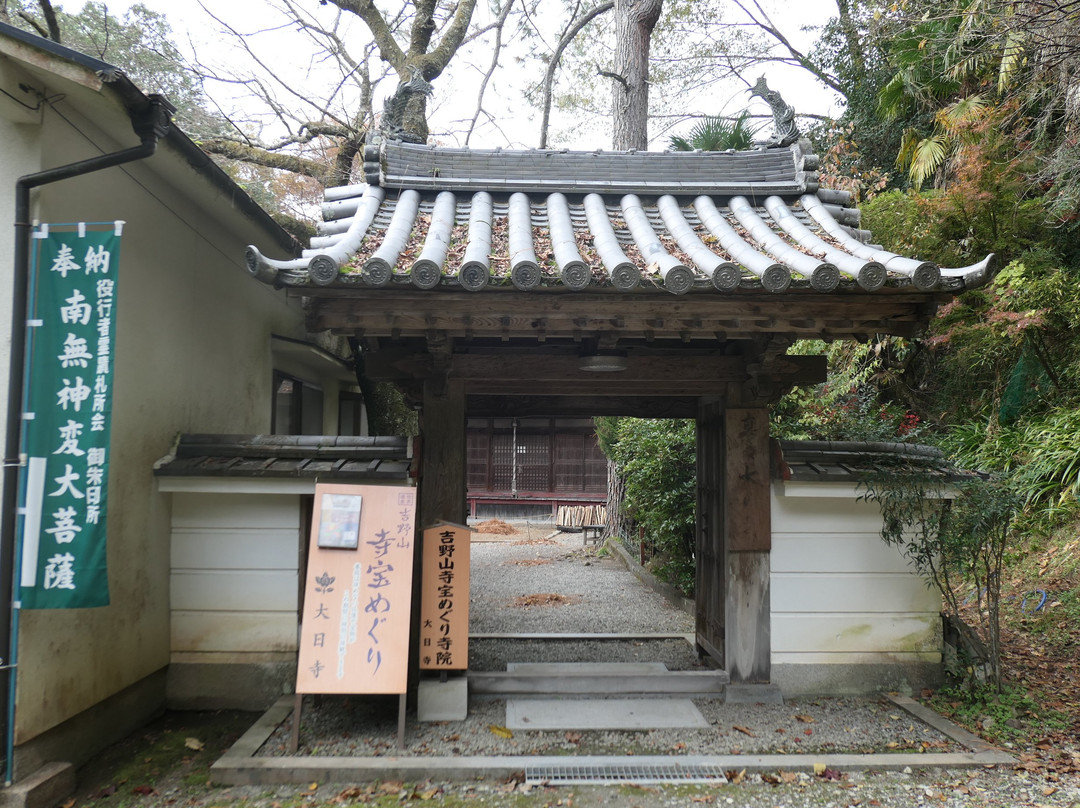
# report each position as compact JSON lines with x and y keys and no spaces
{"x":761,"y":19}
{"x":49,"y":13}
{"x":284,"y":162}
{"x":504,"y":12}
{"x":389,"y":50}
{"x":569,"y":33}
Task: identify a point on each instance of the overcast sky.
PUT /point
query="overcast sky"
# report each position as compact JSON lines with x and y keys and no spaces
{"x":516,"y":125}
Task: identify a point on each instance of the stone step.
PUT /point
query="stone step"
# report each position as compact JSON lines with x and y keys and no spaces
{"x":595,"y":679}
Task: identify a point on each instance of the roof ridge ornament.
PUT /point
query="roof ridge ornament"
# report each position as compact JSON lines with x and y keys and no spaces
{"x":392,"y":126}
{"x":787,"y":131}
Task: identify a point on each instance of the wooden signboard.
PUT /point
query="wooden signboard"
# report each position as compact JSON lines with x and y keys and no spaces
{"x":354,"y":635}
{"x":444,"y":599}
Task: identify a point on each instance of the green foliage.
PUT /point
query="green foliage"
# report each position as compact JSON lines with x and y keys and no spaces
{"x":971,"y":706}
{"x":717,"y":134}
{"x":657,"y":461}
{"x":854,"y":50}
{"x":851,"y":406}
{"x":983,"y":208}
{"x":953,"y":544}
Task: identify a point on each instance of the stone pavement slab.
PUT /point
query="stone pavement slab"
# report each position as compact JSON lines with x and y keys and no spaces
{"x":603,"y":714}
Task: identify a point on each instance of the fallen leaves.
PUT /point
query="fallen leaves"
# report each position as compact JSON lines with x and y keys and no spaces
{"x":743,"y":730}
{"x":194,"y":743}
{"x":543,"y":599}
{"x":496,"y":527}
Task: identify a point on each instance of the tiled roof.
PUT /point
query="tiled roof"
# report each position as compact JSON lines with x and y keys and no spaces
{"x":730,"y":222}
{"x":851,"y":461}
{"x":344,"y":459}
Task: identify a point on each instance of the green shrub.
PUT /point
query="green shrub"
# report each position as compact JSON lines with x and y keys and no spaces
{"x":657,"y":461}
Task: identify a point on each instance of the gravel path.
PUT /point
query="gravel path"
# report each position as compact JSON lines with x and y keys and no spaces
{"x":366,"y":726}
{"x":601,"y":595}
{"x":582,"y":591}
{"x":539,"y":582}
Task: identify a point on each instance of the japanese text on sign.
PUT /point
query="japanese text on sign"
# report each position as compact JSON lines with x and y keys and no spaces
{"x":444,"y":601}
{"x":358,"y":597}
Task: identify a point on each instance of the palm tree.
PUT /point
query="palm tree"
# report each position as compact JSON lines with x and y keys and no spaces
{"x":714,"y":133}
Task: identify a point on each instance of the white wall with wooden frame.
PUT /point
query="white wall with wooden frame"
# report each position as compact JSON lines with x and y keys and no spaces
{"x":236,"y":552}
{"x":849,"y":614}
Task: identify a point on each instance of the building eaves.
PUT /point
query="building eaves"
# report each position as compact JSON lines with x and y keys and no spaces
{"x":730,"y":222}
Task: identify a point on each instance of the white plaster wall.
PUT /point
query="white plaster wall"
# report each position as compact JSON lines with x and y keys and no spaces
{"x":840,"y":595}
{"x":20,"y":154}
{"x":235,"y":589}
{"x":192,"y":355}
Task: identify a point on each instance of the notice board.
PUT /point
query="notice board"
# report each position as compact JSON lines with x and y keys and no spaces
{"x":444,"y":598}
{"x":354,"y":635}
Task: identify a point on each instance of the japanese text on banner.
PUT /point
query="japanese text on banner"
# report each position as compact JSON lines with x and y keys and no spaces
{"x":67,"y":417}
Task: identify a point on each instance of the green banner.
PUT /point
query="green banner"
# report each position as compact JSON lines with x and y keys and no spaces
{"x":67,"y":416}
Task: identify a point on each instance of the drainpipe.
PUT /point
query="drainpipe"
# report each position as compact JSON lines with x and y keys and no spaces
{"x":150,"y":124}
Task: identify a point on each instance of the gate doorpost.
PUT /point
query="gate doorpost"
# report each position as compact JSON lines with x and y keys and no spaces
{"x":748,"y":544}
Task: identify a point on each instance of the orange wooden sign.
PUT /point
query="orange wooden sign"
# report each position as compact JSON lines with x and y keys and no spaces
{"x":444,"y":598}
{"x":354,"y":635}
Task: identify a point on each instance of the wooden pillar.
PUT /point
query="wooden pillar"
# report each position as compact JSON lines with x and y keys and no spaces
{"x":711,"y":566}
{"x":442,"y":493}
{"x":747,"y":544}
{"x":442,"y":459}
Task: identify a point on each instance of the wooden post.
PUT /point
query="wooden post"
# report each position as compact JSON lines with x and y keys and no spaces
{"x":442,"y":491}
{"x":747,"y":544}
{"x":711,"y":568}
{"x":294,"y":734}
{"x":442,"y":461}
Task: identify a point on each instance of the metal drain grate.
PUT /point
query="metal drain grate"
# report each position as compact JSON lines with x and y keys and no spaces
{"x":568,"y":774}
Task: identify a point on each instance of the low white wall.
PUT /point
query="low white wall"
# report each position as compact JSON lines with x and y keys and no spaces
{"x":234,"y":596}
{"x":848,"y":612}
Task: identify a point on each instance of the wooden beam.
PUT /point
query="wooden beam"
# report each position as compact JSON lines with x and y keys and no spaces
{"x":381,"y":313}
{"x":523,"y":374}
{"x":596,"y":387}
{"x":580,"y":406}
{"x":485,"y":369}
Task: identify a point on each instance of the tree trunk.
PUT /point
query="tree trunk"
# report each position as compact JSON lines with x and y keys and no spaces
{"x":634,"y":24}
{"x":619,"y":524}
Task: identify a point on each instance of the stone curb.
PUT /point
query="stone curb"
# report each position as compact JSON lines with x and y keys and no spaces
{"x":647,"y":578}
{"x":238,"y":766}
{"x":43,"y":789}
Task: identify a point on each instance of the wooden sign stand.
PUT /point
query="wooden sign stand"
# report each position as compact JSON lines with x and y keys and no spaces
{"x":298,"y":708}
{"x":354,"y":629}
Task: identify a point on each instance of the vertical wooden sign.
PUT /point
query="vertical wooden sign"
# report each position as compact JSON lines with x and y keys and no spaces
{"x":444,"y":599}
{"x":354,"y":635}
